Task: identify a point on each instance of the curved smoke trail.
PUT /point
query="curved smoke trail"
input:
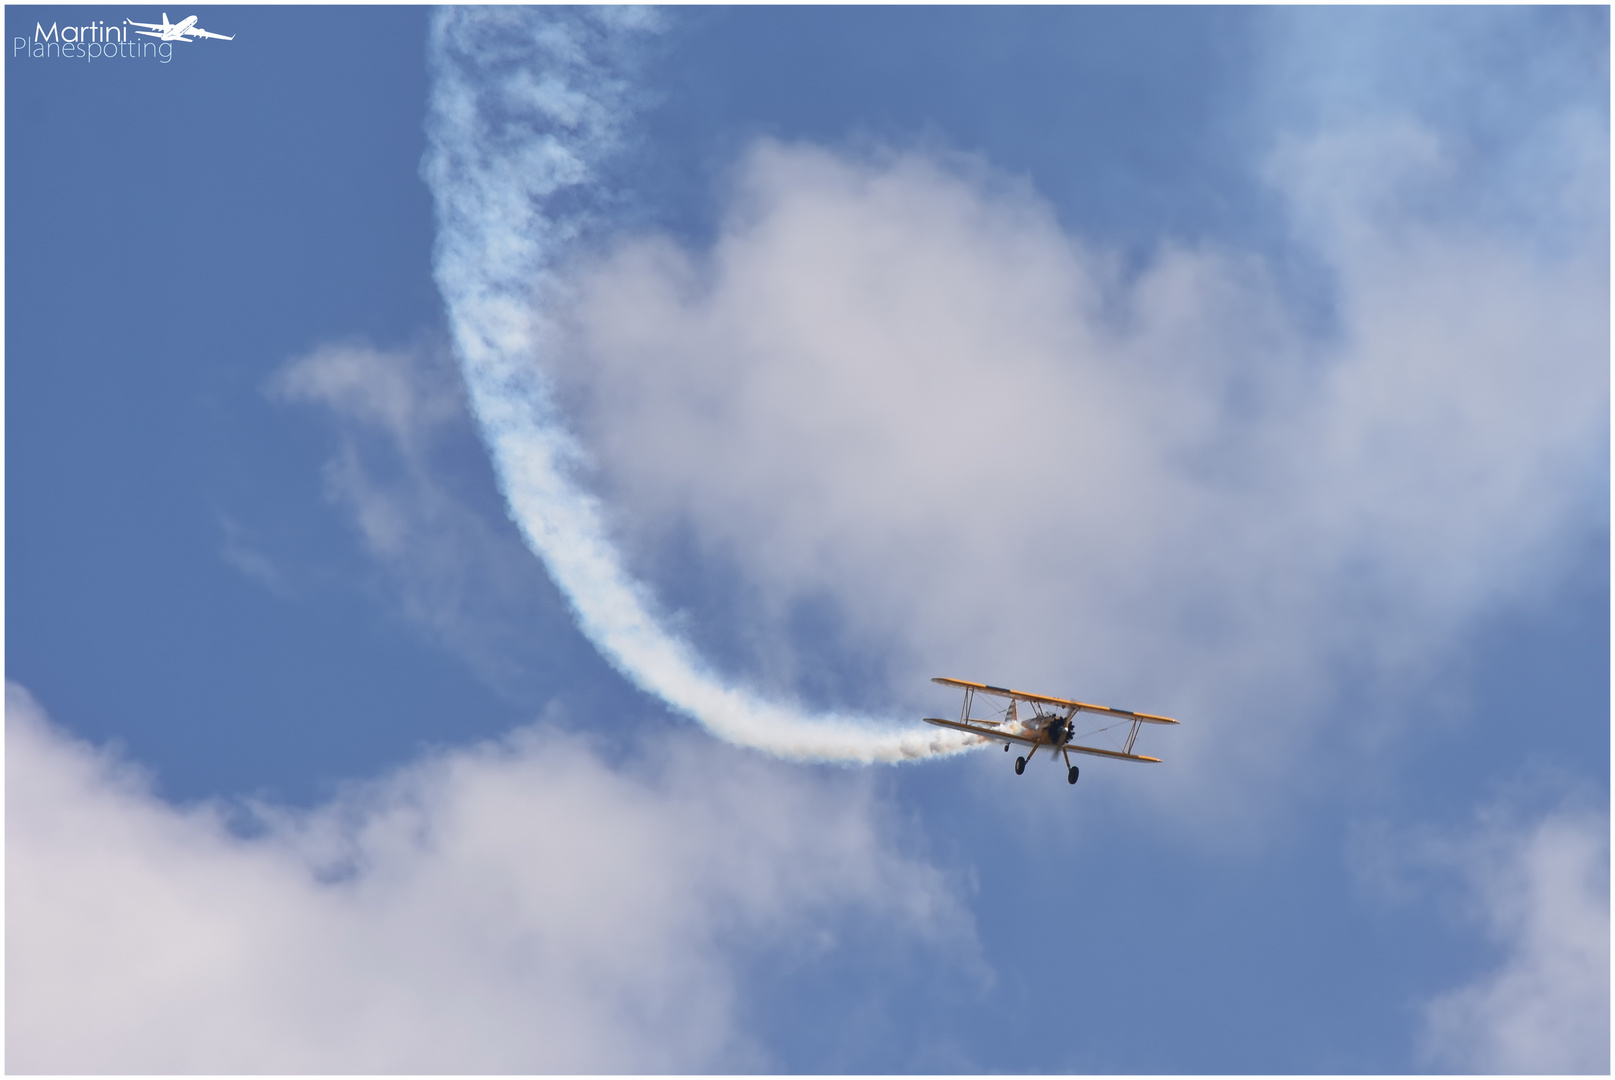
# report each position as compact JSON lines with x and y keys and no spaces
{"x":527,"y":107}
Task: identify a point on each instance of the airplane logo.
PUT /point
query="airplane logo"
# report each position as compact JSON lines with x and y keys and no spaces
{"x":184,"y":30}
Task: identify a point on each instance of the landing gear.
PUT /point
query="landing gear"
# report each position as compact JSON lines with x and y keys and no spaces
{"x":1071,"y":775}
{"x":1020,"y":765}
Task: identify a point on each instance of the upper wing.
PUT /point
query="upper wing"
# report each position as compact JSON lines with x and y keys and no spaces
{"x":1044,"y":699}
{"x":147,"y":25}
{"x":197,"y":31}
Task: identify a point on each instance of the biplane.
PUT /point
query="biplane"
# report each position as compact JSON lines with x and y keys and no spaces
{"x":1053,"y":728}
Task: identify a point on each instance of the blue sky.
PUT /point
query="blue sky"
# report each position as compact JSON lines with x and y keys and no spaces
{"x":1249,"y":366}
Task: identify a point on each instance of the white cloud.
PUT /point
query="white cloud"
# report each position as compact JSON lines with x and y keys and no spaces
{"x":895,"y":383}
{"x":1541,"y":889}
{"x":897,"y":402}
{"x":519,"y":906}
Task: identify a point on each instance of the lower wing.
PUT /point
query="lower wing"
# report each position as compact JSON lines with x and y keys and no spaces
{"x":987,"y":731}
{"x":1094,"y":750}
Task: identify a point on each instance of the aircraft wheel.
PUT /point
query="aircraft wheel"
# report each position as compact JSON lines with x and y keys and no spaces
{"x":1071,"y":776}
{"x":1020,"y":765}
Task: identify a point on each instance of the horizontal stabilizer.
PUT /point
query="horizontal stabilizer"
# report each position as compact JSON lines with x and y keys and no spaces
{"x":985,"y":730}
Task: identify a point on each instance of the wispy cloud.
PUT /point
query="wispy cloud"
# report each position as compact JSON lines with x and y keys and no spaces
{"x":513,"y":907}
{"x":1536,"y":883}
{"x":240,"y":549}
{"x":1542,"y":889}
{"x":405,"y":443}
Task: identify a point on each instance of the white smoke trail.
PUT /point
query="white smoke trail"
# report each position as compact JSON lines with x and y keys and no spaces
{"x":527,"y":108}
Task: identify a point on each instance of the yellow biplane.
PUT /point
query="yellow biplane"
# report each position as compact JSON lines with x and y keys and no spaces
{"x":1054,"y":728}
